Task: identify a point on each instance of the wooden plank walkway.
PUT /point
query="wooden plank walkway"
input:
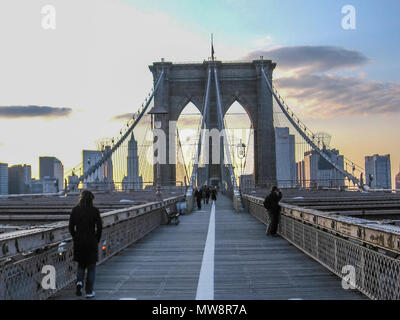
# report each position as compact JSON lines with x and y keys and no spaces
{"x":166,"y":264}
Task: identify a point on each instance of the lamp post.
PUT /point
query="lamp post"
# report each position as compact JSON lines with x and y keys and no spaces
{"x":241,"y":152}
{"x":157,"y":113}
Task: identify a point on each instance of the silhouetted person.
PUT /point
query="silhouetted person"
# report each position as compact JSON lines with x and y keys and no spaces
{"x":85,"y":226}
{"x":203,"y":193}
{"x":197,"y":195}
{"x":214,"y":194}
{"x":208,"y":193}
{"x":271,"y":203}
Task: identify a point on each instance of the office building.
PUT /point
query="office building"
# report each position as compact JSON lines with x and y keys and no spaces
{"x":90,"y":158}
{"x":378,"y":171}
{"x":108,"y":171}
{"x":51,"y":167}
{"x":318,"y":172}
{"x":19,"y":179}
{"x":301,"y":181}
{"x":286,"y":174}
{"x":102,"y":178}
{"x":36,"y":186}
{"x":73,"y":182}
{"x":398,"y":181}
{"x":3,"y":178}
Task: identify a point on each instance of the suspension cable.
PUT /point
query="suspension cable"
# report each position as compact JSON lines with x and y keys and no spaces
{"x":307,"y":135}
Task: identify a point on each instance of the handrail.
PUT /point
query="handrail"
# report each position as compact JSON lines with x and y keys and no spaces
{"x":18,"y":242}
{"x":370,"y":232}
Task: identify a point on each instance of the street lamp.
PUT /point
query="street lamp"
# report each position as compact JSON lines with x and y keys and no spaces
{"x":157,"y":113}
{"x":241,"y":152}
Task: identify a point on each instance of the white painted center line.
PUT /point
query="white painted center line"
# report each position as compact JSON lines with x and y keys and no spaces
{"x":205,"y":287}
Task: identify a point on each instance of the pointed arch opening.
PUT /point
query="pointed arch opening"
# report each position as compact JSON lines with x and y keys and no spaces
{"x":240,"y":135}
{"x":187,"y":126}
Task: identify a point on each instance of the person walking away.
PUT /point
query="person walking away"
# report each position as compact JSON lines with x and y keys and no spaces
{"x":203,"y":193}
{"x":197,"y":195}
{"x":207,"y":194}
{"x":85,"y":226}
{"x":214,"y":195}
{"x":271,"y":203}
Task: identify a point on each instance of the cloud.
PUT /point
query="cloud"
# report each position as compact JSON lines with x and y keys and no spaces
{"x":306,"y":59}
{"x":123,"y":116}
{"x":324,"y":96}
{"x":14,"y":112}
{"x":307,"y":81}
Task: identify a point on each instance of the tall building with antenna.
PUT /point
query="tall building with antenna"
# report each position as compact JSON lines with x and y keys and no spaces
{"x":132,"y":181}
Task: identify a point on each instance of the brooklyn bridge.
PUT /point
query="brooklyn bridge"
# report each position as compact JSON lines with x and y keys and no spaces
{"x":338,"y":239}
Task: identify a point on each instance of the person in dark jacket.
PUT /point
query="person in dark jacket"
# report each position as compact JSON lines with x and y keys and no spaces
{"x":197,"y":195}
{"x":214,"y":194}
{"x":203,"y":193}
{"x":85,"y":226}
{"x":207,"y":194}
{"x":271,"y":203}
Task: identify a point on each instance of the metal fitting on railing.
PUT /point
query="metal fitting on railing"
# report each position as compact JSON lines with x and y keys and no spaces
{"x":62,"y":248}
{"x":104,"y":246}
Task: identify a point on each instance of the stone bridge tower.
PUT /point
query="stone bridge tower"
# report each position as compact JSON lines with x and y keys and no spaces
{"x":238,"y":81}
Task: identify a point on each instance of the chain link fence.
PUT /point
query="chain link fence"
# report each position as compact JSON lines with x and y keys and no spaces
{"x":21,"y":277}
{"x":377,"y":275}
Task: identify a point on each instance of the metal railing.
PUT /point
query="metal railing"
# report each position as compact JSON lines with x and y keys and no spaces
{"x":314,"y":184}
{"x":23,"y":254}
{"x":335,"y":242}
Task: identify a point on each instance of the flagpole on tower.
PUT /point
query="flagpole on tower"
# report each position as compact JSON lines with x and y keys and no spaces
{"x":212,"y":47}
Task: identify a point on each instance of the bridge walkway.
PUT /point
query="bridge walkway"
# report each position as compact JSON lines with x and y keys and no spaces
{"x":214,"y":254}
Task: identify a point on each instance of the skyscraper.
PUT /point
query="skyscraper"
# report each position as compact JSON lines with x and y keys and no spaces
{"x":319,"y":172}
{"x":398,"y":181}
{"x":108,"y":171}
{"x":300,"y":174}
{"x":378,"y":171}
{"x":19,"y":179}
{"x":132,"y":180}
{"x":3,"y":178}
{"x":286,"y":174}
{"x":51,"y":167}
{"x":89,"y":158}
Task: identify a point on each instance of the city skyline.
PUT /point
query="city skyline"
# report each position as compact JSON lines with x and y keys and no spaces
{"x":336,"y":80}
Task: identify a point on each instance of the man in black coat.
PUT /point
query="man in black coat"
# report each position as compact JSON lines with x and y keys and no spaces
{"x":85,"y":226}
{"x":271,"y":203}
{"x":197,"y":195}
{"x":207,"y":194}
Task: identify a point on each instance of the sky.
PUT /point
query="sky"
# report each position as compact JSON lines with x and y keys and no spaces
{"x":63,"y":89}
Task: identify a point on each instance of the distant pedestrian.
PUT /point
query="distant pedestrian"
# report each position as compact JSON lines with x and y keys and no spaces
{"x":214,"y":194}
{"x":271,"y":203}
{"x":203,"y":193}
{"x":208,"y":193}
{"x":85,"y":226}
{"x":197,"y":195}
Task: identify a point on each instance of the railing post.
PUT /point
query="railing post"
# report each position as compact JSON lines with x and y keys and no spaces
{"x":362,"y":269}
{"x":336,"y":257}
